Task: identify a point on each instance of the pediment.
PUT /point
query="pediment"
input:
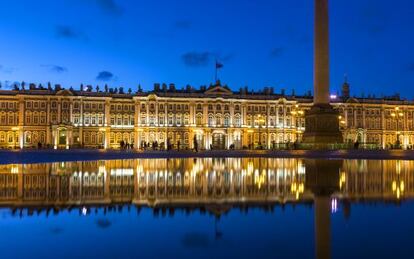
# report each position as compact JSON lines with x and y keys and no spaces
{"x":64,"y":92}
{"x":352,"y":100}
{"x":218,"y":90}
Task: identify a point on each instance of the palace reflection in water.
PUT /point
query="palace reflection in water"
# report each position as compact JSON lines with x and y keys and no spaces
{"x":199,"y":181}
{"x":210,"y":184}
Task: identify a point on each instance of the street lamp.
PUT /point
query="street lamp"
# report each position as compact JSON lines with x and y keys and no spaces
{"x":397,"y":114}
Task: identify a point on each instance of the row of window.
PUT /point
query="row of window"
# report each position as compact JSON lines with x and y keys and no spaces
{"x":372,"y":112}
{"x":9,"y":119}
{"x":123,"y":107}
{"x":36,"y":104}
{"x":8,"y":105}
{"x":89,"y":106}
{"x":8,"y":137}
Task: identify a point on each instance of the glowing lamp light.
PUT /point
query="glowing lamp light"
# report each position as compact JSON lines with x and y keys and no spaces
{"x":333,"y":96}
{"x":334,"y":205}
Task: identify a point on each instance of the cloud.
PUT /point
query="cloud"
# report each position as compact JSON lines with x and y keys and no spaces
{"x":110,"y":7}
{"x":291,"y":34}
{"x":56,"y":68}
{"x":103,"y":223}
{"x":7,"y":70}
{"x":411,"y":67}
{"x":183,"y":24}
{"x":203,"y":58}
{"x":105,"y":76}
{"x":196,"y":59}
{"x":277,"y":52}
{"x":374,"y":18}
{"x":195,"y":240}
{"x":68,"y":32}
{"x":56,"y":230}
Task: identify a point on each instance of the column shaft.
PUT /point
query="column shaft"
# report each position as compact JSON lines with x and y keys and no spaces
{"x":321,"y":52}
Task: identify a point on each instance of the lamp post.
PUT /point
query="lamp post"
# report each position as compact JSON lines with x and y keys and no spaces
{"x":397,"y":114}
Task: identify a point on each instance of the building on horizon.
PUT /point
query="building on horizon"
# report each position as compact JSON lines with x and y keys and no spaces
{"x":213,"y":117}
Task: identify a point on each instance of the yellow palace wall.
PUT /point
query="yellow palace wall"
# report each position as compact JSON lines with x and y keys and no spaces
{"x":216,"y":118}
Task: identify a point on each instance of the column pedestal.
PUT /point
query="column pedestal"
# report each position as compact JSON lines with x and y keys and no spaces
{"x":322,"y":127}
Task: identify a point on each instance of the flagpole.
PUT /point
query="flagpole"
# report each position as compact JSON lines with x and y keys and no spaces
{"x":215,"y":78}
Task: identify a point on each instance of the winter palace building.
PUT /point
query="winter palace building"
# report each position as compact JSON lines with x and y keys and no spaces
{"x":214,"y":117}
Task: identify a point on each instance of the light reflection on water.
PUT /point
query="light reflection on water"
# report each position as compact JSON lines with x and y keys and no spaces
{"x":221,"y":207}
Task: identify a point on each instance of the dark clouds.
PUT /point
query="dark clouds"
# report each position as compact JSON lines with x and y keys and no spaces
{"x":374,"y":18}
{"x":411,"y":67}
{"x":56,"y":68}
{"x":277,"y":52}
{"x":56,"y":230}
{"x":68,"y":32}
{"x":195,"y":240}
{"x":103,"y":223}
{"x":196,"y":59}
{"x":292,"y":34}
{"x":183,"y":24}
{"x":110,"y":7}
{"x":105,"y":76}
{"x":203,"y":58}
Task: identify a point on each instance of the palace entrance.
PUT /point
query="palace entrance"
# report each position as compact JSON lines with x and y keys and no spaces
{"x":62,"y":139}
{"x":219,"y":141}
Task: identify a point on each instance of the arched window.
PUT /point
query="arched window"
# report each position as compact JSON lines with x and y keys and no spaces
{"x":93,"y":138}
{"x":199,"y":119}
{"x":143,"y":118}
{"x":42,"y":137}
{"x":28,"y":137}
{"x":227,"y":121}
{"x":249,"y":120}
{"x":93,"y":119}
{"x":161,"y":119}
{"x":237,"y":121}
{"x":210,"y":120}
{"x":170,"y":119}
{"x":11,"y":118}
{"x":218,"y":120}
{"x":178,"y":119}
{"x":186,"y":119}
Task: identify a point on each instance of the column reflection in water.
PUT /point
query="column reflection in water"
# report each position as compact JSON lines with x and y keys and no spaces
{"x":322,"y":178}
{"x":213,"y":184}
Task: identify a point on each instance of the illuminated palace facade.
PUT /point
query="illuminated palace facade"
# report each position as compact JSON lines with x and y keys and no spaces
{"x":213,"y":117}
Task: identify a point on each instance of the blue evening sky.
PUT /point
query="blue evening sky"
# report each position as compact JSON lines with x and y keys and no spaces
{"x":260,"y":42}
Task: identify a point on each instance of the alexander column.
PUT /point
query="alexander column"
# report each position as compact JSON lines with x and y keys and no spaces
{"x":322,"y":125}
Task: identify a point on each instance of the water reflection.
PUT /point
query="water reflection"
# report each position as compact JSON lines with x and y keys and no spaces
{"x":155,"y":182}
{"x":209,"y":185}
